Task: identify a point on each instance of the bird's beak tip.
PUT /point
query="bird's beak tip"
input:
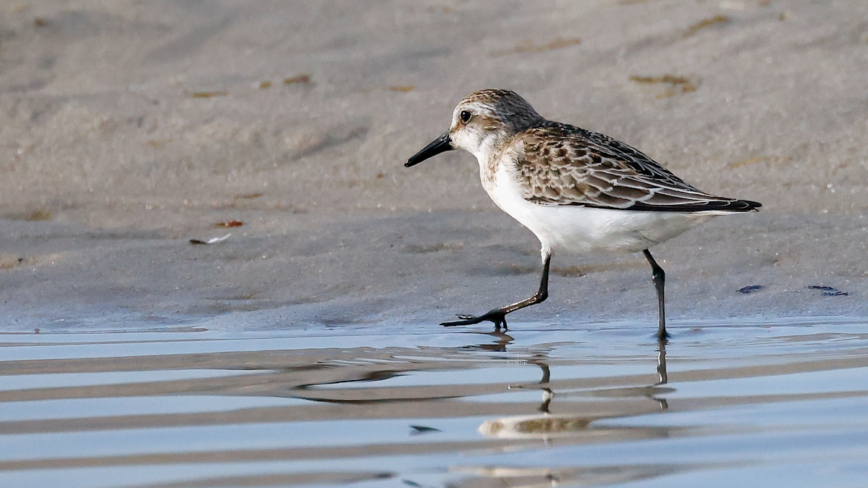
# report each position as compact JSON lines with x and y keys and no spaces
{"x":439,"y":145}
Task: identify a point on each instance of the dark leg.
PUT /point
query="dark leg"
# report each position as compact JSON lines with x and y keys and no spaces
{"x":659,"y":278}
{"x":498,"y":315}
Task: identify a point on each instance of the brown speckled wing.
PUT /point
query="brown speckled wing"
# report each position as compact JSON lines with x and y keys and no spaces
{"x":566,"y":165}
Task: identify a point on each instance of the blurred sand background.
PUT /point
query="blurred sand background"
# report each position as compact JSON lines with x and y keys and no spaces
{"x":128,"y":128}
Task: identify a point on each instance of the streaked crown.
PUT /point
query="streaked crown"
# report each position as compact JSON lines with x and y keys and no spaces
{"x":505,"y":106}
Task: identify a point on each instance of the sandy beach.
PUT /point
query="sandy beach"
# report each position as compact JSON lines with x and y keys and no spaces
{"x":130,"y":128}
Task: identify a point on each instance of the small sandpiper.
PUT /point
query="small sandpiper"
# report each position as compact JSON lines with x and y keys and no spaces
{"x":578,"y":191}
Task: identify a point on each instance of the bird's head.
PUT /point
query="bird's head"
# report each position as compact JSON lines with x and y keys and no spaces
{"x":482,"y":122}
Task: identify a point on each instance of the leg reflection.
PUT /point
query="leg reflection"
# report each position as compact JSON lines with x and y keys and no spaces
{"x":503,"y":339}
{"x":661,"y":363}
{"x":548,"y":394}
{"x":662,"y":377}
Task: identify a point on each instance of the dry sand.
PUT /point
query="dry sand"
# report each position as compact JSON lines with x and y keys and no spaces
{"x":128,"y":128}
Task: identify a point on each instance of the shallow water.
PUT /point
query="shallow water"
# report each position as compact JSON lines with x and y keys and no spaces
{"x":778,"y":403}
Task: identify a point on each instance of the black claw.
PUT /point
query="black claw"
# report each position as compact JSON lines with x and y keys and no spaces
{"x":453,"y":323}
{"x":496,"y":316}
{"x":465,"y":320}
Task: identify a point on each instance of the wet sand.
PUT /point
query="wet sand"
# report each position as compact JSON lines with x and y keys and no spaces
{"x":128,"y":129}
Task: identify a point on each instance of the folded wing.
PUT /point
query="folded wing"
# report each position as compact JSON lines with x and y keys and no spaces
{"x":566,"y":165}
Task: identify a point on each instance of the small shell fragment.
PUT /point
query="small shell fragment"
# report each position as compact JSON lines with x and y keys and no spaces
{"x":213,"y":240}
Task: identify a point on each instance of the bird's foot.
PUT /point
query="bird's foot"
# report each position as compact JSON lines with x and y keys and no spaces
{"x":497,"y":316}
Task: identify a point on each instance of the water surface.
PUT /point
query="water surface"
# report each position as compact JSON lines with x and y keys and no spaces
{"x":779,"y":403}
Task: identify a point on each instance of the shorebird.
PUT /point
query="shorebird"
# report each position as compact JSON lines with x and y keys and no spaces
{"x":578,"y":191}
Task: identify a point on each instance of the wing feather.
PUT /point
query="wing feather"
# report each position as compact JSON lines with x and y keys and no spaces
{"x":565,"y":165}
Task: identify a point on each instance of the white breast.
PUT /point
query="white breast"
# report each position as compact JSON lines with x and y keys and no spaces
{"x":577,"y":229}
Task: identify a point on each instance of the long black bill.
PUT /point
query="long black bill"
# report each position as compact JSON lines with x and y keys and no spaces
{"x":441,"y":144}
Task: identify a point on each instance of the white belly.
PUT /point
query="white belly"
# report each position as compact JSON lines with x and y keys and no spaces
{"x":577,"y":229}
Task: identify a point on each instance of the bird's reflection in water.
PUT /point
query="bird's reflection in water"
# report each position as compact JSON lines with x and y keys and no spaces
{"x":662,"y":377}
{"x":536,"y":477}
{"x":538,"y":359}
{"x":548,"y":395}
{"x":502,"y":340}
{"x":548,"y":425}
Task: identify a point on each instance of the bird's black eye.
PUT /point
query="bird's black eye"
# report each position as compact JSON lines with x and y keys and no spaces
{"x":465,"y":116}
